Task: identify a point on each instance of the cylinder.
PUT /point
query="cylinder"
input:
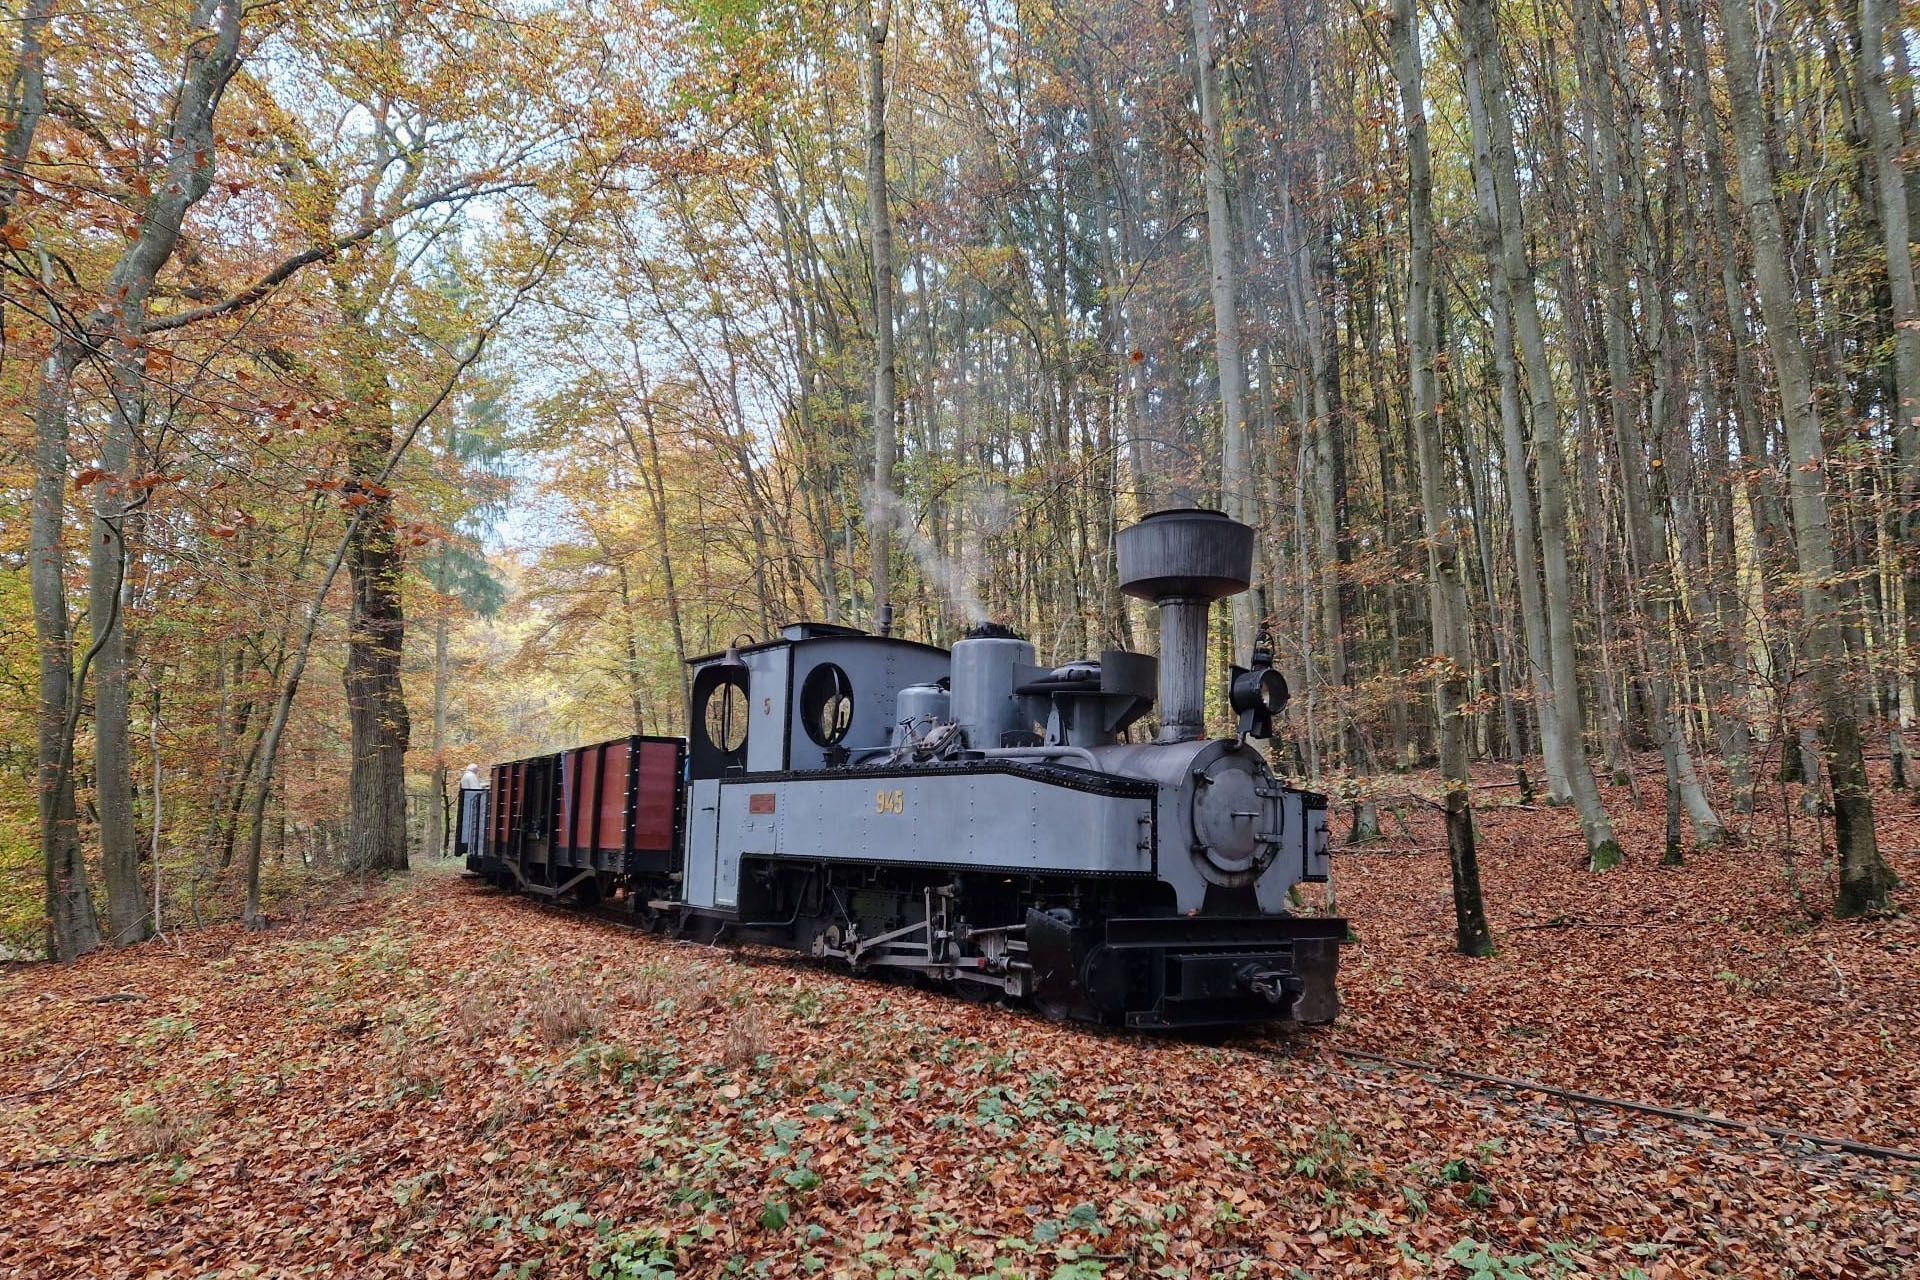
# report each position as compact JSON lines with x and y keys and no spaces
{"x":986,"y":666}
{"x":1183,"y":669}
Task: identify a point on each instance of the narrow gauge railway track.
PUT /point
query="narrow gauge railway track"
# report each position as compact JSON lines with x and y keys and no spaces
{"x":620,"y":918}
{"x":1577,"y":1098}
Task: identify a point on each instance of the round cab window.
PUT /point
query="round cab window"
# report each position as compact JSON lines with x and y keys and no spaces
{"x":726,"y":717}
{"x":826,"y":704}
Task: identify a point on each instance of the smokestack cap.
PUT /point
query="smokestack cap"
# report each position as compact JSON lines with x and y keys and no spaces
{"x":1187,"y":553}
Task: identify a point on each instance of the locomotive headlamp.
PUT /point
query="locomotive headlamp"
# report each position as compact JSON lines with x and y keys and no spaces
{"x":1257,"y":695}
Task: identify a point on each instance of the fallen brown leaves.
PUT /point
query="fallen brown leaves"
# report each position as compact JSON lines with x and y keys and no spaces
{"x":1709,"y":986}
{"x":443,"y":1081}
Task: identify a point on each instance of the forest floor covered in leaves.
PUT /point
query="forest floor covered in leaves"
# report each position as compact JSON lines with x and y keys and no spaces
{"x":431,"y":1078}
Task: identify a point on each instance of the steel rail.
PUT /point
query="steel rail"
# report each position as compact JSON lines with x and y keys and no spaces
{"x":1851,"y":1146}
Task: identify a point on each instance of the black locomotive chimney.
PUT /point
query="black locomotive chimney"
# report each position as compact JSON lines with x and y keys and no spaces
{"x":1183,"y":560}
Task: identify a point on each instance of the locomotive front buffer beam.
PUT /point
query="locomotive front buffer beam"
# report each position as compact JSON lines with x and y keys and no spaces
{"x":1161,"y":973}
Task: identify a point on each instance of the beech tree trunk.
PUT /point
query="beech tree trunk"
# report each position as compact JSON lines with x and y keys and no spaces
{"x":115,"y":328}
{"x":72,"y":927}
{"x":376,"y":700}
{"x":433,"y":842}
{"x":1446,"y":565}
{"x":881,"y":507}
{"x":649,"y":465}
{"x":1763,"y":498}
{"x":108,"y":560}
{"x":1886,"y":143}
{"x":1526,"y":559}
{"x":1642,"y":467}
{"x":1236,"y":473}
{"x":1482,"y":51}
{"x":1865,"y":879}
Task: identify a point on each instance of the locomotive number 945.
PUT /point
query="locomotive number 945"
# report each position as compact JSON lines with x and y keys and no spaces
{"x":986,"y":823}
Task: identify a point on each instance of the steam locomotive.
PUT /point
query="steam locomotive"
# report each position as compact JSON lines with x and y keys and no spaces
{"x":965,"y":816}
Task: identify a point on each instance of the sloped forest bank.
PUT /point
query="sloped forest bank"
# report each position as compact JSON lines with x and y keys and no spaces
{"x":435,"y":1079}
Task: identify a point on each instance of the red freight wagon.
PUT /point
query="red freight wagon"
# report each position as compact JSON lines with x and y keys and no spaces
{"x":575,"y":820}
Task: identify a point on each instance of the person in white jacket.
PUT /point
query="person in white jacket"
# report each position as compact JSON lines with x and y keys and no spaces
{"x":470,"y":814}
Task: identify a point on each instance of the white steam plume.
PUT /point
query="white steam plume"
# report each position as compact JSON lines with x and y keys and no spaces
{"x":985,"y":510}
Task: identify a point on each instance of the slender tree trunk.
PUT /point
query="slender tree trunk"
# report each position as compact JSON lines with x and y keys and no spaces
{"x":1446,"y":590}
{"x":153,"y":750}
{"x":656,"y":486}
{"x":107,"y":562}
{"x":815,"y":476}
{"x":630,"y":642}
{"x":882,"y":506}
{"x":72,"y":927}
{"x":435,"y":843}
{"x":1483,"y":51}
{"x":1763,"y":497}
{"x":116,"y":327}
{"x":1533,"y":607}
{"x":1865,"y":879}
{"x":1497,"y":615}
{"x":1642,"y":472}
{"x":1236,"y":475}
{"x":1886,"y":142}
